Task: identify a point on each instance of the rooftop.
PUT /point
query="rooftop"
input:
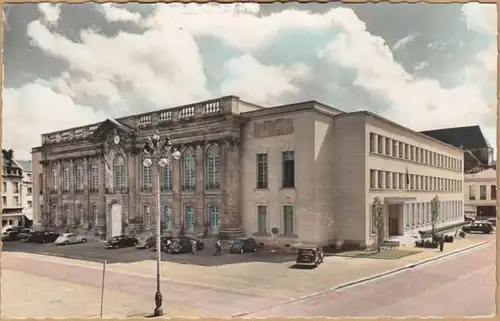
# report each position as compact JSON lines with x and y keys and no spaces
{"x":25,"y":165}
{"x":468,"y":137}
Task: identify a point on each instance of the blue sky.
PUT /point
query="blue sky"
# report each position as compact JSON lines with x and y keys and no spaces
{"x":424,"y":66}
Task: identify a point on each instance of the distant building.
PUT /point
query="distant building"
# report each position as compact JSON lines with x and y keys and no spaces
{"x":27,"y":189}
{"x":481,"y":193}
{"x":12,"y":176}
{"x":478,"y":153}
{"x":299,"y":173}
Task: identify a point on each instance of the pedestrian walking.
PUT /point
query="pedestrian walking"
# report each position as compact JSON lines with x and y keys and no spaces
{"x":217,"y":247}
{"x":441,"y":243}
{"x":193,"y":247}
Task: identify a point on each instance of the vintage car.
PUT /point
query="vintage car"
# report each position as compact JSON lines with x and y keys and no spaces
{"x":183,"y":244}
{"x":146,"y":243}
{"x":309,"y":257}
{"x":478,"y":226}
{"x":69,"y":238}
{"x":243,"y":245}
{"x":493,"y":221}
{"x":121,"y":241}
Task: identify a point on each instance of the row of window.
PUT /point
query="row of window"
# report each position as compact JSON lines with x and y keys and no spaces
{"x":483,"y":192}
{"x":400,"y":181}
{"x":418,"y":214}
{"x":188,"y":221}
{"x":390,"y":147}
{"x":15,"y":201}
{"x":15,"y":188}
{"x":77,"y":217}
{"x":287,"y":170}
{"x":288,"y":220}
{"x":212,"y":174}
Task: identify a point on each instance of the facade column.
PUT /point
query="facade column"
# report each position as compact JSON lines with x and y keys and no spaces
{"x":199,"y":188}
{"x":176,"y":195}
{"x":388,"y":147}
{"x":132,"y":186}
{"x":154,"y":199}
{"x":85,"y":215}
{"x":101,"y":203}
{"x":382,"y":145}
{"x":59,"y":212}
{"x":72,"y":190}
{"x":231,"y":217}
{"x":374,"y":142}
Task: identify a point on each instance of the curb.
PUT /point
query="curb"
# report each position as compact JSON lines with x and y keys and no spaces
{"x":369,"y":278}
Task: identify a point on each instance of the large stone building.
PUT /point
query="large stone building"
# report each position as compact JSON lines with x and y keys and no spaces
{"x":27,"y":190}
{"x":304,"y":172}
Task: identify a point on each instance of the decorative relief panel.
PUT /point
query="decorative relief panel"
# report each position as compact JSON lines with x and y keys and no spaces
{"x":277,"y":127}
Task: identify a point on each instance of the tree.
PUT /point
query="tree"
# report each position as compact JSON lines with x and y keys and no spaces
{"x":434,"y":213}
{"x":378,"y":221}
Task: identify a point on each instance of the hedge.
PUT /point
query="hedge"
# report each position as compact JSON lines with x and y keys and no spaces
{"x":428,"y":233}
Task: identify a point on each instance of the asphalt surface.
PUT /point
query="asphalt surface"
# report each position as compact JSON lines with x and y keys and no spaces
{"x":460,"y":285}
{"x":95,"y":251}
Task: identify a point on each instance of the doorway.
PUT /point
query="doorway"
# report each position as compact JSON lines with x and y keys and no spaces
{"x":394,"y":219}
{"x":116,"y":219}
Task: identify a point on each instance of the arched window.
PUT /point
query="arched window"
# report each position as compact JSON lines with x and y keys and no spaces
{"x":94,"y":176}
{"x":79,"y":214}
{"x":79,"y":176}
{"x":119,"y":172}
{"x":66,"y":177}
{"x":53,"y":179}
{"x":214,"y":216}
{"x":188,"y":171}
{"x":147,"y":217}
{"x":166,"y":178}
{"x":167,"y":217}
{"x":146,"y":178}
{"x":212,"y":168}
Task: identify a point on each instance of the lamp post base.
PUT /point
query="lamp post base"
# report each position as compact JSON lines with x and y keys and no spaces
{"x":158,"y":312}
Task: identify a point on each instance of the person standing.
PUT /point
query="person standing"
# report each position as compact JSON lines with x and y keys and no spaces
{"x":193,"y":247}
{"x":441,"y":243}
{"x":217,"y":247}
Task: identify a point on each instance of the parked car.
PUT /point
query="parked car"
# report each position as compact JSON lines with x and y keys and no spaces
{"x":484,"y":227}
{"x":468,"y":218}
{"x":146,"y":243}
{"x":29,"y":236}
{"x":11,"y":236}
{"x":183,"y":244}
{"x":69,"y":238}
{"x":243,"y":245}
{"x":163,"y":243}
{"x":43,"y":237}
{"x":309,"y":257}
{"x":493,"y":221}
{"x":121,"y":241}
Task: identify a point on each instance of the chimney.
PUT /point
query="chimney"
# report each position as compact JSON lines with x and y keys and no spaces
{"x":11,"y":154}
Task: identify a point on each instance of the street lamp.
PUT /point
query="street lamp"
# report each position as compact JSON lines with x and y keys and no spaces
{"x":154,"y":151}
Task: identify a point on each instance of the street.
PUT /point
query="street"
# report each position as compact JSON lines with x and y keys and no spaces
{"x":254,"y":284}
{"x":461,"y":285}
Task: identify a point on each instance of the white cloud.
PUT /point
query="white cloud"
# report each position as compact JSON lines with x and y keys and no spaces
{"x":419,"y":103}
{"x":164,"y":66}
{"x":480,"y":17}
{"x":273,"y":81}
{"x":114,"y":14}
{"x":50,"y":12}
{"x":403,"y":42}
{"x":34,"y":109}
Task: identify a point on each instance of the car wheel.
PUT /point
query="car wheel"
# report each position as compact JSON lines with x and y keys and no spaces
{"x":242,"y":251}
{"x":83,"y":240}
{"x":66,"y":243}
{"x":255,"y":249}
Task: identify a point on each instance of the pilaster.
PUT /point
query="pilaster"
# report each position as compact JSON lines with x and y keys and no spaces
{"x":59,"y":213}
{"x":132,"y":185}
{"x":231,"y":217}
{"x":199,"y":189}
{"x":101,"y":204}
{"x":86,"y":192}
{"x":176,"y":195}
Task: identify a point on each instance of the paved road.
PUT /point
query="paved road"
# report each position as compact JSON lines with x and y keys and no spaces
{"x":95,"y":251}
{"x":461,"y":285}
{"x":212,"y":302}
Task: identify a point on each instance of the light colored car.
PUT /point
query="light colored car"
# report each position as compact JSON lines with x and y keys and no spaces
{"x":69,"y":238}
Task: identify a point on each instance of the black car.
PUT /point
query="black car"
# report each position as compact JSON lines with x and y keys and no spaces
{"x":484,"y":227}
{"x":184,"y":244}
{"x":243,"y":245}
{"x":493,"y":221}
{"x":164,"y":241}
{"x":43,"y":237}
{"x":11,"y":236}
{"x":309,"y":257}
{"x":121,"y":241}
{"x":29,"y":237}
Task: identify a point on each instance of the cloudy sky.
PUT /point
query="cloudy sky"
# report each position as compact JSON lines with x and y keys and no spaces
{"x":424,"y":66}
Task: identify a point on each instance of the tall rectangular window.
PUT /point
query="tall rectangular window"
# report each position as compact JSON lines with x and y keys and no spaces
{"x":381,"y":176}
{"x":288,"y":180}
{"x":472,"y":192}
{"x":189,"y":222}
{"x":482,"y":192}
{"x":493,"y":192}
{"x":4,"y":187}
{"x":262,"y":219}
{"x":262,"y":171}
{"x":288,"y":220}
{"x":373,"y":178}
{"x":373,"y":142}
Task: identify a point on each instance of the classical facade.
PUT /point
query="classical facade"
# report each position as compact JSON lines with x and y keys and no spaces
{"x":481,"y":193}
{"x":300,"y":173}
{"x":12,"y":175}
